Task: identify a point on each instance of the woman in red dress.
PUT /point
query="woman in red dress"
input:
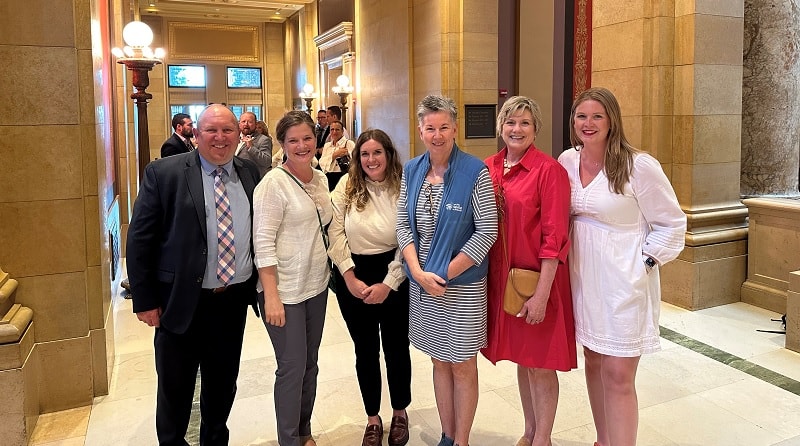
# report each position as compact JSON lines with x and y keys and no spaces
{"x":533,"y":198}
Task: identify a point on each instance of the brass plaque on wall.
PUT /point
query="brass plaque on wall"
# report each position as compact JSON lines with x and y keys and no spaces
{"x":212,"y":41}
{"x":480,"y":120}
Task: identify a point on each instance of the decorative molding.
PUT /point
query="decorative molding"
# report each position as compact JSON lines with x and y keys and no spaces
{"x":247,"y":37}
{"x":778,"y":206}
{"x":14,"y":323}
{"x":715,"y":237}
{"x":341,"y":33}
{"x":703,"y":220}
{"x":7,"y":286}
{"x":332,"y":64}
{"x":582,"y":74}
{"x":14,"y":318}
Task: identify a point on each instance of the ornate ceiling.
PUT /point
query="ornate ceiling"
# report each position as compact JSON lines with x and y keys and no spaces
{"x":227,"y":10}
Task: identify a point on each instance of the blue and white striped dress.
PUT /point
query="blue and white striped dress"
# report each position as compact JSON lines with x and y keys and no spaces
{"x":452,"y":327}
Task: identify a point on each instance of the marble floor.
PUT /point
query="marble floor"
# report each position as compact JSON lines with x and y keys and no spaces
{"x":717,"y":382}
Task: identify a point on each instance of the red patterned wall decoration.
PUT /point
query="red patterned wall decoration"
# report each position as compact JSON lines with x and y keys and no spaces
{"x":582,"y":74}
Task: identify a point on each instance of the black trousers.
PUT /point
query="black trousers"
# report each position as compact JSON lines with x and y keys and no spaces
{"x":213,"y":343}
{"x":371,"y":325}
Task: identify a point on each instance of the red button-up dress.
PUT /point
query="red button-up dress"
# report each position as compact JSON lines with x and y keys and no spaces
{"x":535,"y":222}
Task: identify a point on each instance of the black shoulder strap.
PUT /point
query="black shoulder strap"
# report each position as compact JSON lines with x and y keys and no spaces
{"x":319,"y":218}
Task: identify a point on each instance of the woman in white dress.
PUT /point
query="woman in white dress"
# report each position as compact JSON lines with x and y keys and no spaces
{"x":626,"y":223}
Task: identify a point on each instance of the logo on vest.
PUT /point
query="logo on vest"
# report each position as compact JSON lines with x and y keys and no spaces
{"x":453,"y":207}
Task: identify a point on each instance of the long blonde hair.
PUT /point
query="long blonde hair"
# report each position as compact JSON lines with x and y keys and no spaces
{"x":618,"y":157}
{"x":356,"y":190}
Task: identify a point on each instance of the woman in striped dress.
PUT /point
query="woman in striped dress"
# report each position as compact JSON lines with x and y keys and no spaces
{"x":446,"y":223}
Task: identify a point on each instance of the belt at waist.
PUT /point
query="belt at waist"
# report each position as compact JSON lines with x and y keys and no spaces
{"x":223,"y":289}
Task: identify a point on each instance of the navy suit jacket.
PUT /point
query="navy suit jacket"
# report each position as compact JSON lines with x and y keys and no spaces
{"x":167,"y":247}
{"x":174,"y":145}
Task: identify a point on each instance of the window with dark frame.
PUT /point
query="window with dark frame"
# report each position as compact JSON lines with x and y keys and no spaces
{"x":186,"y":76}
{"x":244,"y":77}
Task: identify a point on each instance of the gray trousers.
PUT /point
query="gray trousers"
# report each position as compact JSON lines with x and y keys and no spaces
{"x":296,"y":346}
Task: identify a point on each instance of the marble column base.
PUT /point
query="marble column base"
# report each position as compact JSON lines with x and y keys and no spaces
{"x":793,"y":312}
{"x":705,"y":276}
{"x":764,"y":296}
{"x":19,"y":389}
{"x":774,"y":241}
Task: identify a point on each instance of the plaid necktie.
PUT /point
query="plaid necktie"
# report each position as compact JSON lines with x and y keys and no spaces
{"x":226,"y":253}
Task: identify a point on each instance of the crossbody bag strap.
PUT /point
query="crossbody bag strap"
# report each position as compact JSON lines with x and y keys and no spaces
{"x":319,"y":218}
{"x":501,"y":223}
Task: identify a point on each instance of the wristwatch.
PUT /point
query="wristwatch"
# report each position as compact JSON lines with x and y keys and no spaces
{"x":649,"y":262}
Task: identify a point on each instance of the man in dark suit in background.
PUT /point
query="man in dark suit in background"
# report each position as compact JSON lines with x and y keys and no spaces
{"x":190,"y":265}
{"x":181,"y":139}
{"x":335,"y":114}
{"x":321,"y":130}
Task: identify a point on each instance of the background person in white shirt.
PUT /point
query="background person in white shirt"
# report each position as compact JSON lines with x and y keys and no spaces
{"x":336,"y":154}
{"x":336,"y":148}
{"x":371,"y":285}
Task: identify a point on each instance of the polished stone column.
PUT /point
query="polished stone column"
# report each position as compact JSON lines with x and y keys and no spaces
{"x":58,"y":210}
{"x":676,"y":69}
{"x":771,"y":153}
{"x":771,"y":98}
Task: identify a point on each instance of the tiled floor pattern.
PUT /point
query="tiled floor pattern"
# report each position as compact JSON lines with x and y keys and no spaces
{"x":717,"y":381}
{"x":762,"y":373}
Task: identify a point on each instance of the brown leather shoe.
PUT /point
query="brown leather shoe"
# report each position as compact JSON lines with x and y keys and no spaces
{"x":398,"y":432}
{"x":373,"y":434}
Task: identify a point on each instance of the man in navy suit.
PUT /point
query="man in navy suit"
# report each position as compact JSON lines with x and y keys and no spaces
{"x":190,"y":265}
{"x":181,"y":139}
{"x":321,"y":130}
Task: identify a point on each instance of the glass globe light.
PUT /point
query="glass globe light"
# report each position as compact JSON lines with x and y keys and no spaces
{"x":308,"y":90}
{"x":137,"y":34}
{"x":343,"y":81}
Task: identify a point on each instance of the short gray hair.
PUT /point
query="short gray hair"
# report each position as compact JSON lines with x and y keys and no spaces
{"x":434,"y":103}
{"x":516,"y":104}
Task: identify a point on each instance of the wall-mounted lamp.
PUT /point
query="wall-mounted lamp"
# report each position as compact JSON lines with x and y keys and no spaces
{"x":139,"y":58}
{"x":308,"y":95}
{"x":343,"y":89}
